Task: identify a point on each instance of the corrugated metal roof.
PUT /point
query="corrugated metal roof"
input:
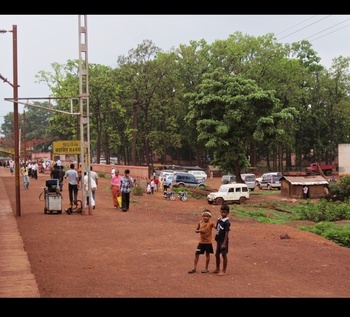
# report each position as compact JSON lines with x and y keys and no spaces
{"x":306,"y":180}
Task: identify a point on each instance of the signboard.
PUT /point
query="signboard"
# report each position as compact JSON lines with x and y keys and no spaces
{"x":66,"y":147}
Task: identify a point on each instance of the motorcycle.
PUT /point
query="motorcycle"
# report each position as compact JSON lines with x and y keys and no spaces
{"x":169,"y":194}
{"x":183,"y":196}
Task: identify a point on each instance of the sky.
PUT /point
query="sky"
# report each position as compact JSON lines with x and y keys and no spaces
{"x":46,"y":39}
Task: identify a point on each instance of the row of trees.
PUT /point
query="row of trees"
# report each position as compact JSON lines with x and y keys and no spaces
{"x":235,"y":102}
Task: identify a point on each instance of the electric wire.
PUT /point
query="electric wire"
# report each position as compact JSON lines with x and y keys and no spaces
{"x":296,"y":25}
{"x":303,"y":28}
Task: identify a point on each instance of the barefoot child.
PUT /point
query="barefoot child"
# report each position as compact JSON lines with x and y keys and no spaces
{"x":205,"y":245}
{"x":223,"y":228}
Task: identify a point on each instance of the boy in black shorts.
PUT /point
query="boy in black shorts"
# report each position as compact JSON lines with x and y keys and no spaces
{"x":205,"y":244}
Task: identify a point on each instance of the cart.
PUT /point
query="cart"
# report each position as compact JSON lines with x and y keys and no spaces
{"x":52,"y":197}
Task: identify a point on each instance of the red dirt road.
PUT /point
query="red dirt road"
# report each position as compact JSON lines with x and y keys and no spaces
{"x":146,"y":252}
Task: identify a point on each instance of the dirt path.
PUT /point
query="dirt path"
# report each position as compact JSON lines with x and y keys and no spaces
{"x":146,"y":252}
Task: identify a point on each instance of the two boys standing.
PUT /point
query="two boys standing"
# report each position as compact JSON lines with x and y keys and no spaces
{"x":205,"y":246}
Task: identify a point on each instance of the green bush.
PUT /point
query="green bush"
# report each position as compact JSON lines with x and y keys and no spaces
{"x":323,"y":211}
{"x":137,"y":190}
{"x":330,"y":231}
{"x":341,"y":189}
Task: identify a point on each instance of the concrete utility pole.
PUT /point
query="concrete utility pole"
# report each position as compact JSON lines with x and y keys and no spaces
{"x":15,"y":116}
{"x":84,"y":108}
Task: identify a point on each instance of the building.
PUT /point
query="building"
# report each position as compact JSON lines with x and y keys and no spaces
{"x":292,"y":186}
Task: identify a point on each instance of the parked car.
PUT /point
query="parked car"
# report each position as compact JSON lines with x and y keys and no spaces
{"x":270,"y":181}
{"x":229,"y":193}
{"x":169,"y":179}
{"x":165,"y":173}
{"x":228,"y":179}
{"x":200,"y":175}
{"x":249,"y":179}
{"x":186,"y":180}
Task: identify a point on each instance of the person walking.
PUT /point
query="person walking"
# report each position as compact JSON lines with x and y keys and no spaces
{"x":126,"y":183}
{"x":112,"y":171}
{"x":94,"y":176}
{"x":156,"y":184}
{"x":205,"y":245}
{"x":152,"y":184}
{"x":73,"y":184}
{"x":12,"y":166}
{"x":222,"y":239}
{"x":25,"y":174}
{"x":89,"y":198}
{"x":115,"y":188}
{"x":80,"y":172}
{"x":35,"y":168}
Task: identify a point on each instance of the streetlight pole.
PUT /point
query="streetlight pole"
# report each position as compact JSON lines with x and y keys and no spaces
{"x":15,"y":116}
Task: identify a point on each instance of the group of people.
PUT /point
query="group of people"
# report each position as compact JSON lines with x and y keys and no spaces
{"x":28,"y":170}
{"x":121,"y":189}
{"x":205,"y":245}
{"x":120,"y":185}
{"x":153,"y":185}
{"x":74,"y":179}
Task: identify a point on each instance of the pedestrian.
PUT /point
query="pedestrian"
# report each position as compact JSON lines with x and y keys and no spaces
{"x":94,"y":176}
{"x":80,"y":172}
{"x":35,"y":168}
{"x":30,"y":174}
{"x":148,"y":188}
{"x":222,"y":239}
{"x":165,"y":184}
{"x":306,"y":192}
{"x":12,"y":166}
{"x":156,"y":184}
{"x":126,"y":183}
{"x":160,"y":185}
{"x":89,"y":198}
{"x":25,"y":174}
{"x":112,"y":171}
{"x":73,"y":185}
{"x":115,"y":188}
{"x":205,"y":245}
{"x":152,"y":184}
{"x":57,"y":173}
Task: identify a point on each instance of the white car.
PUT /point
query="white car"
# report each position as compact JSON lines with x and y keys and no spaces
{"x":200,"y":175}
{"x":229,"y":193}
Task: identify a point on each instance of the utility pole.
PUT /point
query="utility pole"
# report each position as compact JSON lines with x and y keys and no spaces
{"x":84,"y":109}
{"x":15,"y":116}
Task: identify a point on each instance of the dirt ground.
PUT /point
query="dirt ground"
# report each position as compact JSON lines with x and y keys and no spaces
{"x":147,"y":251}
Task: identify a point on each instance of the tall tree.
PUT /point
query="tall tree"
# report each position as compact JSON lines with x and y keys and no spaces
{"x":229,"y":111}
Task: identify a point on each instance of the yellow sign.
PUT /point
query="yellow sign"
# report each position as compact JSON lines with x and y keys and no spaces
{"x":66,"y":147}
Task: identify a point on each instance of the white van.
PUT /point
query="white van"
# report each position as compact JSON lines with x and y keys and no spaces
{"x":200,"y":175}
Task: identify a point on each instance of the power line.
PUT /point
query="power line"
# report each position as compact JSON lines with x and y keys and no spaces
{"x":328,"y":33}
{"x":304,"y":27}
{"x":296,"y":25}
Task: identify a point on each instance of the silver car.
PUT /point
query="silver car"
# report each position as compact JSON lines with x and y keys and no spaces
{"x":271,"y":181}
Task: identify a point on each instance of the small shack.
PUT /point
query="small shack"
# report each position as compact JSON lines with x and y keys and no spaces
{"x":292,"y":186}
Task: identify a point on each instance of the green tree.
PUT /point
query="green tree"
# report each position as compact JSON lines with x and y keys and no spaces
{"x":228,"y":112}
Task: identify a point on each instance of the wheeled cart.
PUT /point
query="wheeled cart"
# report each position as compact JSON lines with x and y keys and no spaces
{"x":53,"y":197}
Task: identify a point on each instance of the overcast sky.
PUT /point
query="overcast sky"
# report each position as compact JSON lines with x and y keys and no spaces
{"x":46,"y":39}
